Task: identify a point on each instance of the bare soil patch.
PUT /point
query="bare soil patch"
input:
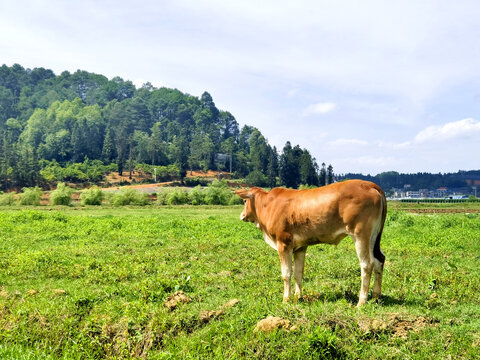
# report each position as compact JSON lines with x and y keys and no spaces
{"x":397,"y":325}
{"x":272,"y":323}
{"x":209,"y":173}
{"x":208,"y":315}
{"x":175,"y":299}
{"x":137,"y":176}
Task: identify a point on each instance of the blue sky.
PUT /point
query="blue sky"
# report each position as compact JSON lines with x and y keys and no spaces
{"x":368,"y":86}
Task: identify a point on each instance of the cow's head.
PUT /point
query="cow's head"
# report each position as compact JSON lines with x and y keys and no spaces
{"x":248,"y":214}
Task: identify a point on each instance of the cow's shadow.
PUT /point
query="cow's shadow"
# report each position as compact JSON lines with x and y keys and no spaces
{"x":352,"y":298}
{"x":387,"y":300}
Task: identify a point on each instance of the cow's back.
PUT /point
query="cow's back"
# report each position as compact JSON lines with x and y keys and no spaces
{"x":318,"y":215}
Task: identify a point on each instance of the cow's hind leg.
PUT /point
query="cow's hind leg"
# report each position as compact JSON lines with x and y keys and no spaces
{"x":299,"y":265}
{"x":285,"y":254}
{"x":362,"y":245}
{"x":378,"y":271}
{"x":378,"y":261}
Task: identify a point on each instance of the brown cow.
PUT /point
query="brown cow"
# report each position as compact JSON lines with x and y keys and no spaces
{"x":292,"y":220}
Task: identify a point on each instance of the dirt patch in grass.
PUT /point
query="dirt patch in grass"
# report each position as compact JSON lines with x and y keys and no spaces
{"x":395,"y":324}
{"x":174,"y":300}
{"x":208,"y":315}
{"x":116,"y":339}
{"x":310,"y":298}
{"x":476,"y":341}
{"x":59,"y":292}
{"x":272,"y":323}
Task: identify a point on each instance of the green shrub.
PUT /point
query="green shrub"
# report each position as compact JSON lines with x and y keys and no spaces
{"x":7,"y":199}
{"x":218,"y":193}
{"x":108,"y":196}
{"x":235,"y":200}
{"x":178,"y":196}
{"x":30,"y":196}
{"x":256,"y":178}
{"x":162,"y":195}
{"x":197,"y":195}
{"x":92,"y":196}
{"x":306,"y":186}
{"x":62,"y":195}
{"x":88,"y":170}
{"x":164,"y":173}
{"x":194,"y":181}
{"x":129,"y":197}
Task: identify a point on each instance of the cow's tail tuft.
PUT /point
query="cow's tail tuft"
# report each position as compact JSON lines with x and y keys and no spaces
{"x":377,"y":253}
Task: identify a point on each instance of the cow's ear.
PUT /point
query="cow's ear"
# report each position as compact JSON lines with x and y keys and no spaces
{"x":244,"y":194}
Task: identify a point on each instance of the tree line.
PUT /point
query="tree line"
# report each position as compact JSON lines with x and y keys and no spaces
{"x":394,"y":180}
{"x":70,"y":118}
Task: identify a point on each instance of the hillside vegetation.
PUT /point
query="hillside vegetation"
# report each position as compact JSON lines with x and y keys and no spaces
{"x":61,"y":127}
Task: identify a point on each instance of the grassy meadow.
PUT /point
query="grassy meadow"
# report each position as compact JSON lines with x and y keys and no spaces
{"x":91,"y":283}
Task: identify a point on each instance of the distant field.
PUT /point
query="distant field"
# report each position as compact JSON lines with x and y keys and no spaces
{"x":91,"y":283}
{"x":425,"y":207}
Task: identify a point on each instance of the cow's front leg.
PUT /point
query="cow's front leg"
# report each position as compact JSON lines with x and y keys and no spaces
{"x":298,"y":266}
{"x":285,"y":254}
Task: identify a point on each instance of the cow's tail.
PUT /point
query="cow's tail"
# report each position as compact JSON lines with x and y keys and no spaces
{"x":377,"y":253}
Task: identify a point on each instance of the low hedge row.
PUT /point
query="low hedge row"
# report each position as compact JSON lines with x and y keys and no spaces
{"x":216,"y":193}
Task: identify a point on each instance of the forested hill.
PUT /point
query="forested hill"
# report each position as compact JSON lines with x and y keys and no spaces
{"x":49,"y":121}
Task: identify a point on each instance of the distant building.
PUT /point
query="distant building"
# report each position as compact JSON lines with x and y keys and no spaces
{"x":413,"y":194}
{"x":440,"y":192}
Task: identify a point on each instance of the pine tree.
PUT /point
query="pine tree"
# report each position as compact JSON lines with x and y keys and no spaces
{"x":272,"y":169}
{"x":181,"y":151}
{"x":290,"y":165}
{"x":308,"y":172}
{"x":323,"y":176}
{"x":330,"y":174}
{"x":108,"y":150}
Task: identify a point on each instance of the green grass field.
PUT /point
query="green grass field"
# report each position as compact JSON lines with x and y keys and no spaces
{"x":91,"y":283}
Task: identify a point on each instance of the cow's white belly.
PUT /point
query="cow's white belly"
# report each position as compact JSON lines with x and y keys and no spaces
{"x":302,"y":239}
{"x":270,"y":241}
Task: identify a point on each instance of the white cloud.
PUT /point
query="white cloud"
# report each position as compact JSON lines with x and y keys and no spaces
{"x":392,"y":145}
{"x":358,"y":164}
{"x":320,"y":108}
{"x":347,"y":142}
{"x":292,"y":92}
{"x":451,"y":130}
{"x":433,"y":149}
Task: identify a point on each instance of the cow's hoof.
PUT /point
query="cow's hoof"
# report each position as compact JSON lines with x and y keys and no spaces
{"x":361,"y":302}
{"x":285,"y":299}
